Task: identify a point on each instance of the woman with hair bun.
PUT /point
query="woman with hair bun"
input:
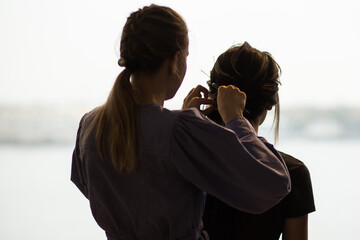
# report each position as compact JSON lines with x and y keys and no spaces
{"x":144,"y":168}
{"x":257,"y":74}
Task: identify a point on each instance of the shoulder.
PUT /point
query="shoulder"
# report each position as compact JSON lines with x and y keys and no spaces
{"x":300,"y":200}
{"x":192,"y":122}
{"x":189,"y":114}
{"x":294,"y":165}
{"x":89,"y":117}
{"x":86,"y":129}
{"x":192,"y":117}
{"x":299,"y":173}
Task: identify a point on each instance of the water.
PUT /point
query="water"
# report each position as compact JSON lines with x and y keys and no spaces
{"x":38,"y":201}
{"x":334,"y":167}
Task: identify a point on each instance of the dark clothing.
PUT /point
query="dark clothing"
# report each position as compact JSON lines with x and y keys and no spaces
{"x":182,"y":154}
{"x":224,"y":222}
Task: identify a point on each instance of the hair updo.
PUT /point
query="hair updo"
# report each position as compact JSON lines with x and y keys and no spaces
{"x":254,"y":72}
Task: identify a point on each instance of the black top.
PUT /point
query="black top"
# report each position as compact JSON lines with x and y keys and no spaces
{"x":224,"y":222}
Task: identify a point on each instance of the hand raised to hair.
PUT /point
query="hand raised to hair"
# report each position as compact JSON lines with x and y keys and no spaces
{"x":230,"y":102}
{"x":194,"y":99}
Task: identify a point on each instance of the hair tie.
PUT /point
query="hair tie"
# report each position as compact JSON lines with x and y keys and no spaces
{"x":132,"y":66}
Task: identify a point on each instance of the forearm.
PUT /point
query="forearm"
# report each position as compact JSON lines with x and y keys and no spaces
{"x":296,"y":228}
{"x":234,"y":166}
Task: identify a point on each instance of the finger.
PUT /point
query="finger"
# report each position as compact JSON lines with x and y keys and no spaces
{"x":236,"y":88}
{"x":229,"y":88}
{"x":222,"y":88}
{"x":206,"y":101}
{"x":199,"y":101}
{"x":200,"y":89}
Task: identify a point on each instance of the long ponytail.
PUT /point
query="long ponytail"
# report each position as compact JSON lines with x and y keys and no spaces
{"x":116,"y":126}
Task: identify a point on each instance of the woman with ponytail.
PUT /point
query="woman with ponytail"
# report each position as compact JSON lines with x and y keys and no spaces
{"x":144,"y":168}
{"x":257,"y":74}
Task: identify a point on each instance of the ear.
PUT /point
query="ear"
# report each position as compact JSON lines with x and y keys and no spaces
{"x":269,"y":107}
{"x":173,"y":63}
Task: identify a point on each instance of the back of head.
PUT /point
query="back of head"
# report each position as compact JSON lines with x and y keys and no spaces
{"x":150,"y":36}
{"x":254,"y":72}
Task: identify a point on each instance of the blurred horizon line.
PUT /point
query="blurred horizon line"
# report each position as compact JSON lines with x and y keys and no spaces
{"x":48,"y":124}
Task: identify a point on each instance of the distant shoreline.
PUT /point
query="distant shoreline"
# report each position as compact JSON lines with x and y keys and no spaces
{"x":46,"y":125}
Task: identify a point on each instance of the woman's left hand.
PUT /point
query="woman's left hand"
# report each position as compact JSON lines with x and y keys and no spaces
{"x":195,"y":99}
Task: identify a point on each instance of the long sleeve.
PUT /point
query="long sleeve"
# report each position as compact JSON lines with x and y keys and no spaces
{"x":77,"y":170}
{"x":230,"y":163}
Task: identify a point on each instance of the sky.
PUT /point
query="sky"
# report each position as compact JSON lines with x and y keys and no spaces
{"x":65,"y":52}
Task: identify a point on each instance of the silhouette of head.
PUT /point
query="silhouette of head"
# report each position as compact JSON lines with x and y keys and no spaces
{"x":150,"y":36}
{"x":254,"y":72}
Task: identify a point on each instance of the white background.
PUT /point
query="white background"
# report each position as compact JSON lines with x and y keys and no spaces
{"x":61,"y":52}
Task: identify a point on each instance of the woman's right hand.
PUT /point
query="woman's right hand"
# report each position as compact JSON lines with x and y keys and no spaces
{"x":195,"y":99}
{"x":230,"y":102}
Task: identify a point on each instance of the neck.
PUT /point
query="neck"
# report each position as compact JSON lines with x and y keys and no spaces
{"x":149,"y":89}
{"x":255,"y":126}
{"x":259,"y":121}
{"x":152,"y":87}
